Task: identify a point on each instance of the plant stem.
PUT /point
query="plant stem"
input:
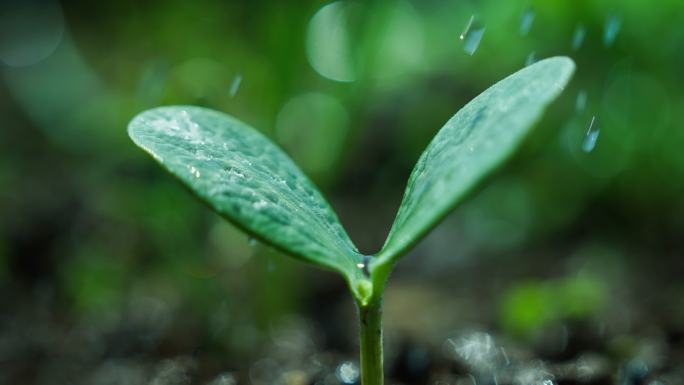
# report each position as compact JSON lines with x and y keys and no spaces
{"x":370,"y":333}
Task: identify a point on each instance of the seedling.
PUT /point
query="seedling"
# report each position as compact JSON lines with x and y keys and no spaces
{"x":252,"y":183}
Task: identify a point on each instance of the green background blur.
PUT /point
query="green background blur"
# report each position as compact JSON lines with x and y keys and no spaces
{"x":95,"y":236}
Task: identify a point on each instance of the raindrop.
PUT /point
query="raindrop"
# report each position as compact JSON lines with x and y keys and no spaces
{"x":531,"y":58}
{"x":611,"y":29}
{"x":195,"y":172}
{"x":476,"y":349}
{"x":526,"y":21}
{"x":534,"y":374}
{"x":202,"y":155}
{"x":365,"y":265}
{"x":591,"y":136}
{"x":235,"y":85}
{"x":347,"y":373}
{"x":507,"y":361}
{"x":472,"y":35}
{"x":260,"y":204}
{"x":252,"y":241}
{"x":578,"y":36}
{"x":224,"y":379}
{"x":581,"y":101}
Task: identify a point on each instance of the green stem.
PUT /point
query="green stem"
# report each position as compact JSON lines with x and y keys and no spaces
{"x":370,"y":317}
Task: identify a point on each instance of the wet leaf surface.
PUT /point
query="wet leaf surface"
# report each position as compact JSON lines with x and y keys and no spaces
{"x":476,"y":140}
{"x":248,"y":180}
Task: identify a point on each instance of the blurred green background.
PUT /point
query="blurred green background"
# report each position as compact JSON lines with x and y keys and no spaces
{"x":104,"y":259}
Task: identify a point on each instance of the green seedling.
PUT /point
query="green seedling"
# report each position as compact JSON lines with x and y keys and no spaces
{"x":252,"y":183}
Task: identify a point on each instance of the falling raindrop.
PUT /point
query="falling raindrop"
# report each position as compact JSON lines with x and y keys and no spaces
{"x":224,"y":379}
{"x":526,"y":21}
{"x":235,"y":85}
{"x":507,"y":361}
{"x":591,"y":136}
{"x":472,"y":35}
{"x":252,"y":241}
{"x":478,"y":350}
{"x":531,"y":58}
{"x":347,"y":373}
{"x":581,"y":101}
{"x":578,"y":36}
{"x":611,"y":29}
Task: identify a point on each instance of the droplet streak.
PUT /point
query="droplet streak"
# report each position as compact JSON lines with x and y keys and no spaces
{"x":578,"y":36}
{"x":591,"y":136}
{"x":611,"y":29}
{"x":526,"y":21}
{"x":472,"y":36}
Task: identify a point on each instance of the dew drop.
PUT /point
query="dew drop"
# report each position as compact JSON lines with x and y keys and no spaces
{"x":472,"y":35}
{"x":260,"y":204}
{"x":526,"y":21}
{"x":347,"y":373}
{"x":507,"y":361}
{"x":195,"y":172}
{"x":224,"y":379}
{"x":611,"y":29}
{"x":531,"y":58}
{"x":365,"y":265}
{"x":202,"y":155}
{"x":592,"y":135}
{"x":578,"y":36}
{"x":235,"y":85}
{"x":234,"y":174}
{"x":581,"y":101}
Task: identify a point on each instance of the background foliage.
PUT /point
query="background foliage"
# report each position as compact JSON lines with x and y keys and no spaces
{"x":104,"y":258}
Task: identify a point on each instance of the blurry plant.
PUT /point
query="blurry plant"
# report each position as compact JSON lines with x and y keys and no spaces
{"x":248,"y":180}
{"x":530,"y":307}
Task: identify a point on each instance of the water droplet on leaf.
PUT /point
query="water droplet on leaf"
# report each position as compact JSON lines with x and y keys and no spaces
{"x":195,"y":172}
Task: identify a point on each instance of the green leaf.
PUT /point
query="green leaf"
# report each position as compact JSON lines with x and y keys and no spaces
{"x":480,"y":137}
{"x":251,"y":182}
